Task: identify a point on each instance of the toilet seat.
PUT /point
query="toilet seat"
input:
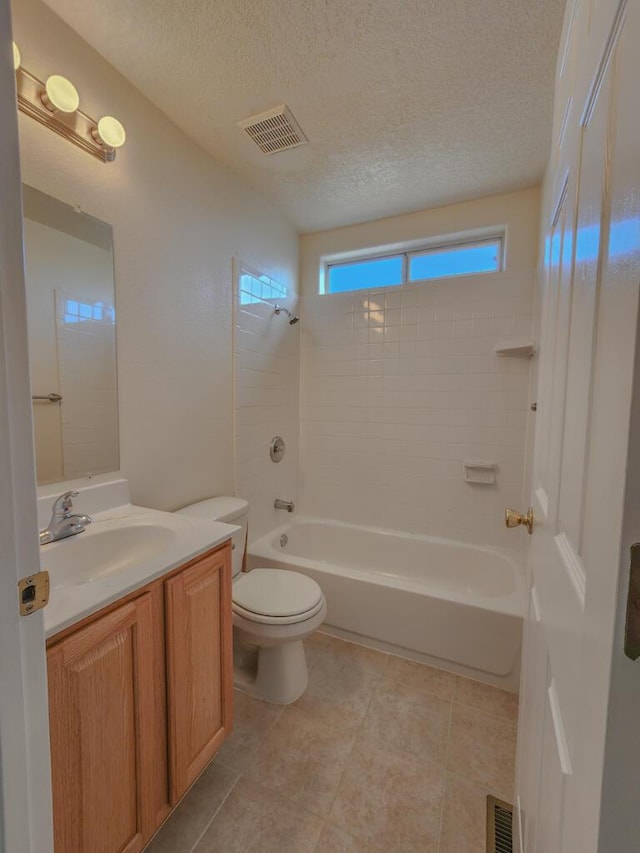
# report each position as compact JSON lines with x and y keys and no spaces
{"x":276,"y":620}
{"x":276,"y":596}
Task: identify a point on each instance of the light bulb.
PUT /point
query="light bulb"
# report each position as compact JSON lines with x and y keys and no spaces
{"x":110,"y":132}
{"x":16,"y":57}
{"x":60,"y":94}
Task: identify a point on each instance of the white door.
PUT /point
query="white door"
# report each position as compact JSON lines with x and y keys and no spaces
{"x":585,"y":387}
{"x":25,"y":796}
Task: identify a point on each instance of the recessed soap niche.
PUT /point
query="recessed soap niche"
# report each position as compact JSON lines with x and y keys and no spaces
{"x":480,"y":471}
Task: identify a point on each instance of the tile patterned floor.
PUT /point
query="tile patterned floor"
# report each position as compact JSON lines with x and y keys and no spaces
{"x":380,"y":754}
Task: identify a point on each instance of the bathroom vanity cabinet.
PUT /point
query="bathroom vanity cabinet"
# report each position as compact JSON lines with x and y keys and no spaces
{"x":199,"y":666}
{"x":140,"y":700}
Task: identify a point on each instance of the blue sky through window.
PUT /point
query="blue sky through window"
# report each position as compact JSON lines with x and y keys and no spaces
{"x":457,"y":260}
{"x":441,"y":262}
{"x":379,"y":272}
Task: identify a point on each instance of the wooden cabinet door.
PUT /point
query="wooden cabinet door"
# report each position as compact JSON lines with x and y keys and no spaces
{"x":100,"y":702}
{"x":200,"y":666}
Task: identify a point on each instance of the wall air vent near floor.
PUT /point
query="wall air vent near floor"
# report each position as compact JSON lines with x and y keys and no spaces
{"x":273,"y":131}
{"x":499,"y":826}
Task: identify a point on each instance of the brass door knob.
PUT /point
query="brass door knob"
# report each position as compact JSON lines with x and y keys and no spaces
{"x":513,"y":519}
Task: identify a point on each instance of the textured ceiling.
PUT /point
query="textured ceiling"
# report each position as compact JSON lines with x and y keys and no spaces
{"x":407,"y":104}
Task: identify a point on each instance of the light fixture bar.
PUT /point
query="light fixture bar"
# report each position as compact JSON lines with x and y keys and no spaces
{"x":77,"y":127}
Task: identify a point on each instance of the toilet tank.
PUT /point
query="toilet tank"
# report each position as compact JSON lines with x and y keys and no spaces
{"x":231,"y":511}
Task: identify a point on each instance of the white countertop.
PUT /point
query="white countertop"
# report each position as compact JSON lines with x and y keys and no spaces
{"x":71,"y":602}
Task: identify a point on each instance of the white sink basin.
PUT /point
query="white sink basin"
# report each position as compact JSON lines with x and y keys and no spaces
{"x":105,"y":549}
{"x":124,"y":549}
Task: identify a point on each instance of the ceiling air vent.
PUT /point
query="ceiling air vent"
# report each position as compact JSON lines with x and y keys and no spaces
{"x":273,"y":131}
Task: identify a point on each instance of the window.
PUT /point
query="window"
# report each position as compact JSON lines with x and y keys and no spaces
{"x":421,"y":264}
{"x":255,"y":288}
{"x":76,"y":311}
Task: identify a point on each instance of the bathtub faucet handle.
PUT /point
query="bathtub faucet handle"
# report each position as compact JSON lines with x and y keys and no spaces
{"x":288,"y":505}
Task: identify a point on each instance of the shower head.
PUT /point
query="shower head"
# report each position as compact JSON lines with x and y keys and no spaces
{"x":293,"y":318}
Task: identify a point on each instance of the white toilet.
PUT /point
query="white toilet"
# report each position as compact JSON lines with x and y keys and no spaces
{"x":274,"y":610}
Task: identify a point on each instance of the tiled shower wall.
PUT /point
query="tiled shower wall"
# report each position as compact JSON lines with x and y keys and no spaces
{"x":401,"y":385}
{"x":267,"y":378}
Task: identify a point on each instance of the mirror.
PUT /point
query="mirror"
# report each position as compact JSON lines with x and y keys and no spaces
{"x":72,"y":339}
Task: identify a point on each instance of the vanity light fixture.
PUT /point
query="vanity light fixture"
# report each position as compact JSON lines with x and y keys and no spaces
{"x":60,"y":95}
{"x":55,"y":104}
{"x":109,"y":132}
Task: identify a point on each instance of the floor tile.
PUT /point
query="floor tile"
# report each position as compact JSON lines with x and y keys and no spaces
{"x":389,"y":800}
{"x":482,"y":749}
{"x":408,"y":720}
{"x":421,"y":677}
{"x":252,"y":720}
{"x":312,"y":648}
{"x":381,"y":755}
{"x":255,"y":820}
{"x":464,"y":817}
{"x":336,"y":840}
{"x":341,"y":652}
{"x":303,"y":758}
{"x":192,"y":816}
{"x":490,"y":700}
{"x":342,"y":682}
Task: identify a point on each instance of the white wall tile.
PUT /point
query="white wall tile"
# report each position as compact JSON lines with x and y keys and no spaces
{"x":389,"y":452}
{"x":267,"y":378}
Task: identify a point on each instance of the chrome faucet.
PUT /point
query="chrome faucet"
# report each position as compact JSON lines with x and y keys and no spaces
{"x":288,"y":505}
{"x":63,"y":523}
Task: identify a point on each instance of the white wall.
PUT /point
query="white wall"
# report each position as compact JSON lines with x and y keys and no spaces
{"x":267,"y":359}
{"x":399,"y":385}
{"x":178,"y":220}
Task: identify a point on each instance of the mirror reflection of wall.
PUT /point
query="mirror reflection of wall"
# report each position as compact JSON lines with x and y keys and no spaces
{"x":72,"y":344}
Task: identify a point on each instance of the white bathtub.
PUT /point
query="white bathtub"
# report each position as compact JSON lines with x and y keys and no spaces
{"x":454,"y":605}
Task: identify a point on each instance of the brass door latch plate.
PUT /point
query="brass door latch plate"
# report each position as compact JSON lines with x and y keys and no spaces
{"x":33,"y":593}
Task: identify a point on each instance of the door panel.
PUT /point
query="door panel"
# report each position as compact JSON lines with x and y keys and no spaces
{"x":586,"y":284}
{"x":587,"y":350}
{"x":557,"y":570}
{"x":532,"y":698}
{"x":552,"y":771}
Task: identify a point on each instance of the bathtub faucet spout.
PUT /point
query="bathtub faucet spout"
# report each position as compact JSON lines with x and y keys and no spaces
{"x":288,"y":505}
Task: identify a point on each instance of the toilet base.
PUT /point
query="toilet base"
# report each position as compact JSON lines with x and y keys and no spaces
{"x":276,"y":674}
{"x":268,"y":658}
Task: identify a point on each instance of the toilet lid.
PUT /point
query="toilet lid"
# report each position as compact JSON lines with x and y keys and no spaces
{"x":276,"y":592}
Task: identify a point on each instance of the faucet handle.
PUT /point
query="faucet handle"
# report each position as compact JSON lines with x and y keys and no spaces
{"x":64,"y":503}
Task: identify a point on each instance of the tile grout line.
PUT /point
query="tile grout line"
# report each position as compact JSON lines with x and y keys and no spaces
{"x":215,"y":814}
{"x":355,"y":739}
{"x":446,"y":769}
{"x":253,"y":754}
{"x":481,"y":712}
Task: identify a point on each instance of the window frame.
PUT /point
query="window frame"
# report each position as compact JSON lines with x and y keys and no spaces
{"x":406,"y":250}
